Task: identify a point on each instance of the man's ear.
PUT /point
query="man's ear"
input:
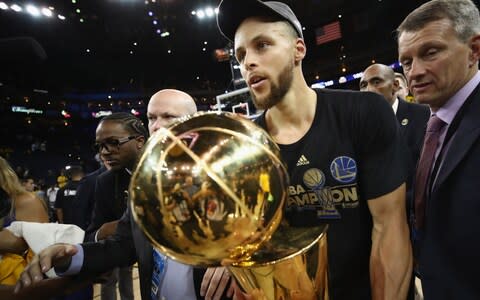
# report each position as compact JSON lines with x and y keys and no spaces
{"x":300,"y":50}
{"x":396,"y":85}
{"x":474,"y":45}
{"x":140,"y":142}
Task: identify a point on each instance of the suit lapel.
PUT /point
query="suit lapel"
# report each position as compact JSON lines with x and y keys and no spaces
{"x":466,"y":134}
{"x":401,"y":110}
{"x":403,"y":114}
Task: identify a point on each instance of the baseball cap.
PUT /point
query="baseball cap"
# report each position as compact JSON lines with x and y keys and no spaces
{"x":231,"y":14}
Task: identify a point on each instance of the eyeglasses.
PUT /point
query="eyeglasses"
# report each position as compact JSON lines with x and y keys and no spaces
{"x":112,"y":144}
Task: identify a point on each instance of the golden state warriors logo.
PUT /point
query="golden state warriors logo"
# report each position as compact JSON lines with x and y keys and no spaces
{"x":344,"y":169}
{"x":314,"y":179}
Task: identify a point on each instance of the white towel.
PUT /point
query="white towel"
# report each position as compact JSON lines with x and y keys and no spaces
{"x":39,"y":236}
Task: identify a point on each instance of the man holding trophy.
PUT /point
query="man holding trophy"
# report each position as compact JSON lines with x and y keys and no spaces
{"x":343,"y":154}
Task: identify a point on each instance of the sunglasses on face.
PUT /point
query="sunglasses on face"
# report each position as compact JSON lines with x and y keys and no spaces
{"x":111,"y":144}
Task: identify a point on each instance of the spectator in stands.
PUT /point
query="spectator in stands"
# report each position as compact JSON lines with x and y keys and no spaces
{"x":25,"y":206}
{"x":62,"y":179}
{"x":66,"y":196}
{"x":29,"y":184}
{"x":51,"y":197}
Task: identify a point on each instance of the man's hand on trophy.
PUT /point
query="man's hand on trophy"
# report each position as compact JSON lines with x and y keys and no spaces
{"x":255,"y":294}
{"x":215,"y":282}
{"x":58,"y":256}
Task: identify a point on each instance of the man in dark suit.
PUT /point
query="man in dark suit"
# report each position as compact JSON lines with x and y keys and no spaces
{"x":412,"y":117}
{"x":84,"y":202}
{"x":129,"y":243}
{"x":439,"y":48}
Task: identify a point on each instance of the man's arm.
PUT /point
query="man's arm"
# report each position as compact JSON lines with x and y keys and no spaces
{"x":106,"y":230}
{"x":391,"y":256}
{"x":9,"y":243}
{"x":59,"y":215}
{"x":100,"y":207}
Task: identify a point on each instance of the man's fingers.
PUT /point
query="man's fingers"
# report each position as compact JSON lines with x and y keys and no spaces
{"x":216,"y":283}
{"x":222,"y":285}
{"x":43,"y":262}
{"x":57,"y":256}
{"x":25,"y":279}
{"x":206,"y":281}
{"x":17,"y":288}
{"x":231,"y":288}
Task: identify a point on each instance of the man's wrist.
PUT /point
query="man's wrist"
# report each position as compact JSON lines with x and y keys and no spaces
{"x":72,"y":265}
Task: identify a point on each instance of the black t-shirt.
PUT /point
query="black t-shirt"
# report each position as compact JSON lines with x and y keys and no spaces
{"x":65,"y":200}
{"x":351,"y":153}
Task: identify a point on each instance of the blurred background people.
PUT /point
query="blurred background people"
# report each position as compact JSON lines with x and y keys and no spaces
{"x":25,"y":206}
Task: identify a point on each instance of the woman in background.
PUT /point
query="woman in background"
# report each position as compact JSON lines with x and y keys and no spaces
{"x":25,"y":206}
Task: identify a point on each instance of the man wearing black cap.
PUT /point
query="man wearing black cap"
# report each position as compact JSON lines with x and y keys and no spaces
{"x":359,"y":157}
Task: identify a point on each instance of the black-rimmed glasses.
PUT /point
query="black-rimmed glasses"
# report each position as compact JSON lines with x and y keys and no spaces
{"x":112,"y":144}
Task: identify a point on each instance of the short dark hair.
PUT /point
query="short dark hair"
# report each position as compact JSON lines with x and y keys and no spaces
{"x":73,"y":171}
{"x":463,"y":14}
{"x":131,"y":123}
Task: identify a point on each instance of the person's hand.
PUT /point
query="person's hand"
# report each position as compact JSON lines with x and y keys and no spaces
{"x":106,"y":230}
{"x":255,"y":294}
{"x":214,"y":283}
{"x":57,"y":255}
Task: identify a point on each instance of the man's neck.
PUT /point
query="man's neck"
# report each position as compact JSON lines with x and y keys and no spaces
{"x":291,"y":118}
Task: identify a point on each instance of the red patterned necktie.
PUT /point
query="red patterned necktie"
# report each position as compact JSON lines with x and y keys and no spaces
{"x":424,"y":166}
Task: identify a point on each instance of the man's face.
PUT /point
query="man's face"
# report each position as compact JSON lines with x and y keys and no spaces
{"x":162,"y":113}
{"x":265,"y":52}
{"x":436,"y":63}
{"x":117,"y":155}
{"x":376,"y":80}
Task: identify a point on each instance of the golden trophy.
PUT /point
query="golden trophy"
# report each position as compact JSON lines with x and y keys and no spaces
{"x":235,"y":217}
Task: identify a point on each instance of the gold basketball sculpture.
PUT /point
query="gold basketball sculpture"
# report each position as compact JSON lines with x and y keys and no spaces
{"x":235,"y":216}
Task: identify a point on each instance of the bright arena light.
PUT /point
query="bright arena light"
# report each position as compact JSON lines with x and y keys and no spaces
{"x":209,"y":12}
{"x":61,"y":17}
{"x":3,"y":6}
{"x":32,"y":10}
{"x":46,"y":12}
{"x":16,"y":7}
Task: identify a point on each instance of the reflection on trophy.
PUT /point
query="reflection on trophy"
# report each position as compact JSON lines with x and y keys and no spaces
{"x":236,"y":215}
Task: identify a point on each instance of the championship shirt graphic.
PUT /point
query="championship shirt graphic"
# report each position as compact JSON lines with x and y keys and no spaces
{"x":314,"y":179}
{"x":344,"y":169}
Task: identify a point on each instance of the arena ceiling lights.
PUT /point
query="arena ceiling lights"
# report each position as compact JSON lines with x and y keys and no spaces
{"x":205,"y":13}
{"x":34,"y":11}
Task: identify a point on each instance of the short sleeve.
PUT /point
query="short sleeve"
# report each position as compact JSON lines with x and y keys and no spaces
{"x":383,"y":154}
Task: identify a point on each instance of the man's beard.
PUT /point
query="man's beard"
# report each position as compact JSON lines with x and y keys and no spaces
{"x":277,"y":92}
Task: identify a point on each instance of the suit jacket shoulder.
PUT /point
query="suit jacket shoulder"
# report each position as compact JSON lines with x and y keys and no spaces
{"x":412,"y":119}
{"x":414,"y":111}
